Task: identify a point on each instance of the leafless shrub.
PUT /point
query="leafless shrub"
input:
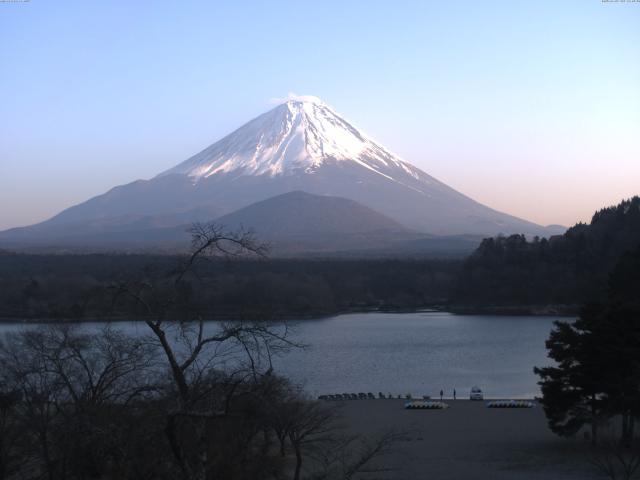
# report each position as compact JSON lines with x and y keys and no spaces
{"x":614,"y":459}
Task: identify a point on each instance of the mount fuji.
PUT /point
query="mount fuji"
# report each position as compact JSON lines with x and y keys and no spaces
{"x":300,"y":145}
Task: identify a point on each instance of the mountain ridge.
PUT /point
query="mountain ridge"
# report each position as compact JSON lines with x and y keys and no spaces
{"x":292,"y":224}
{"x":302,"y":144}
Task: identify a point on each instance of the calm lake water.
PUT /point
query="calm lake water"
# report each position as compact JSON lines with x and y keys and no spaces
{"x":417,"y":353}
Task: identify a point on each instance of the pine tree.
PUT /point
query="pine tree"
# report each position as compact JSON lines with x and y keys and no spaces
{"x":597,"y":371}
{"x":572,"y":391}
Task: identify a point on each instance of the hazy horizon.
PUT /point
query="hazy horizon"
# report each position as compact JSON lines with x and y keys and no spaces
{"x":533,"y":110}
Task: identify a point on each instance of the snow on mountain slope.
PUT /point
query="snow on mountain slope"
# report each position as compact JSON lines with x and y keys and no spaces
{"x":299,"y":135}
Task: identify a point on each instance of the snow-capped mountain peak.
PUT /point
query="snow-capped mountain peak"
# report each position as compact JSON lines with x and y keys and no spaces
{"x":299,"y":135}
{"x":302,"y":145}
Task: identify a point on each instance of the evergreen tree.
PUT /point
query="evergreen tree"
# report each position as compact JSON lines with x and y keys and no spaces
{"x":573,"y":390}
{"x":597,"y":371}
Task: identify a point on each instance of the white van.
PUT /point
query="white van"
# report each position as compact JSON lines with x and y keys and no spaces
{"x":476,"y":394}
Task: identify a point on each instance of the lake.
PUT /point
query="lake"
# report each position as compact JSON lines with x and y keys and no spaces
{"x":418,"y":353}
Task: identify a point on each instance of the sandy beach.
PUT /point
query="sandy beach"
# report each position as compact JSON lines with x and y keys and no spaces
{"x":469,"y":441}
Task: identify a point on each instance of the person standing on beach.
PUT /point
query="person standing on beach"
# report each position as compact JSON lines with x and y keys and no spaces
{"x":454,"y":393}
{"x":441,"y":394}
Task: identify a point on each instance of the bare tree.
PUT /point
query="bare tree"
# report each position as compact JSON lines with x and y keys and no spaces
{"x":321,"y":448}
{"x":312,"y":423}
{"x":91,"y":369}
{"x":191,"y":349}
{"x":616,"y":459}
{"x":70,"y":384}
{"x":9,"y":432}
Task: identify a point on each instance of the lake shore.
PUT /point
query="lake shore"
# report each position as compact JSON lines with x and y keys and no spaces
{"x":517,"y":310}
{"x":520,"y":310}
{"x":468,"y":441}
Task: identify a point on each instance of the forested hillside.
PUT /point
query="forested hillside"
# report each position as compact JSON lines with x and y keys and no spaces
{"x":565,"y":269}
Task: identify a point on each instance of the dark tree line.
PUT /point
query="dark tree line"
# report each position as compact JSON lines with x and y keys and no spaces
{"x":76,"y":286}
{"x":565,"y":269}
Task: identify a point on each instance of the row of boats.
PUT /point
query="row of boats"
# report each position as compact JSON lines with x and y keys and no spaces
{"x":351,"y":396}
{"x":429,"y":405}
{"x":476,"y":394}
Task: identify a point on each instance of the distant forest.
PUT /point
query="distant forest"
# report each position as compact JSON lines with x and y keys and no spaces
{"x":503,"y":273}
{"x":81,"y":286}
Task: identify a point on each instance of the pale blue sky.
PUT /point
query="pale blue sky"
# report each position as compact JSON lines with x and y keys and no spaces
{"x":532,"y":107}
